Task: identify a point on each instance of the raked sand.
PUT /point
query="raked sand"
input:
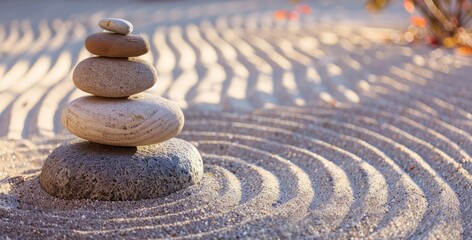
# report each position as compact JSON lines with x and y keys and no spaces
{"x":310,"y":130}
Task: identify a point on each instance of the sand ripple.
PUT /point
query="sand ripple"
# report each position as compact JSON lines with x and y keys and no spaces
{"x":377,"y":170}
{"x":336,"y":133}
{"x":229,"y":56}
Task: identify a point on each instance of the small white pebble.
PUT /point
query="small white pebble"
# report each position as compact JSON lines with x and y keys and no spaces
{"x":116,"y":25}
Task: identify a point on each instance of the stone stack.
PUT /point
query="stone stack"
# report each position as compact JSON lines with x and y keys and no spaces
{"x":131,"y":152}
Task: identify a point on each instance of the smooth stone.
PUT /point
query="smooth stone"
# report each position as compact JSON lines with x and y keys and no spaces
{"x":116,"y":45}
{"x":116,"y":25}
{"x":114,"y":77}
{"x":80,"y":169}
{"x":141,"y":119}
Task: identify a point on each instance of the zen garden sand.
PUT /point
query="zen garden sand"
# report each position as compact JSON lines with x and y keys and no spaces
{"x":321,"y":128}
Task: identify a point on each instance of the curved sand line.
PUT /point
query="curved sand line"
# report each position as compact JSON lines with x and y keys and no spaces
{"x":379,"y":169}
{"x":374,"y":139}
{"x":346,"y":171}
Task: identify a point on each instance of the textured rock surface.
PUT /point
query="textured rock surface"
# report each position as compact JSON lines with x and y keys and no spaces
{"x":114,"y":77}
{"x":116,"y":45}
{"x":81,"y":169}
{"x":138,"y":120}
{"x":116,"y":25}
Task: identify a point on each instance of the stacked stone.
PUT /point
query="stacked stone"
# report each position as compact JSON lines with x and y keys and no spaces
{"x":131,"y":152}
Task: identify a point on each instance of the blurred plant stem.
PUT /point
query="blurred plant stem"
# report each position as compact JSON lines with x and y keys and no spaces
{"x":447,"y":22}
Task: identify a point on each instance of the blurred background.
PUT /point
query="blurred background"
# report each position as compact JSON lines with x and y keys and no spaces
{"x":219,"y":55}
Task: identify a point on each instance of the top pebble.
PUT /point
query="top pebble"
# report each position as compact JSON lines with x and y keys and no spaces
{"x":116,"y":25}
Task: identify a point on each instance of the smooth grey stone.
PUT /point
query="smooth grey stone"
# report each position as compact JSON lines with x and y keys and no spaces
{"x":80,"y":169}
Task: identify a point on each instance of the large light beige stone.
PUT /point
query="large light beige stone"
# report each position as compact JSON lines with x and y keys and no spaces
{"x":116,"y":45}
{"x":141,"y":119}
{"x":114,"y":77}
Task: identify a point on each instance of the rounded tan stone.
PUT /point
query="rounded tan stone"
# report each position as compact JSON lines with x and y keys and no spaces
{"x":141,"y":119}
{"x":116,"y":45}
{"x":114,"y":77}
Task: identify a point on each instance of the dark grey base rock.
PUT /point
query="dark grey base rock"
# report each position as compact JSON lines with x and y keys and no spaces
{"x":81,"y":169}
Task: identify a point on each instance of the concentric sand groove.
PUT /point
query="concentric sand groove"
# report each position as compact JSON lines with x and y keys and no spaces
{"x":295,"y":172}
{"x":376,"y":170}
{"x":279,"y":135}
{"x":405,"y":154}
{"x":374,"y":139}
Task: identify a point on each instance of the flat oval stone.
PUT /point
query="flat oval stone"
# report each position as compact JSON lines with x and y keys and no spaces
{"x":141,"y":119}
{"x":116,"y":45}
{"x":114,"y":77}
{"x":80,"y":169}
{"x":116,"y":25}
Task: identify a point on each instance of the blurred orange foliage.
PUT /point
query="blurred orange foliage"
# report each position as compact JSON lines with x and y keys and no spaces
{"x":294,"y":13}
{"x":303,"y":8}
{"x":409,"y":6}
{"x":467,"y":51}
{"x":418,"y":21}
{"x":280,"y":15}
